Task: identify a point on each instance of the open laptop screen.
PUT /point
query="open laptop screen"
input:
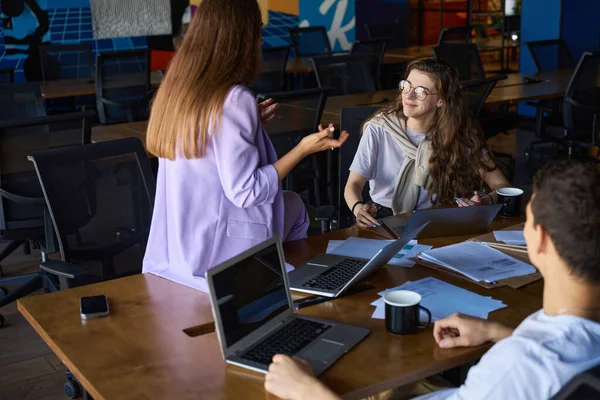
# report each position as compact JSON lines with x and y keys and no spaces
{"x":250,"y":293}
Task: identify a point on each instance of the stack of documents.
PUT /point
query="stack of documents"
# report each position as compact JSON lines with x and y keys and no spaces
{"x":367,"y":248}
{"x":478,"y":261}
{"x":515,"y":238}
{"x":443,"y":299}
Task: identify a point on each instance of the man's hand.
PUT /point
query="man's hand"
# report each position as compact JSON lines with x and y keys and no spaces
{"x":460,"y":330}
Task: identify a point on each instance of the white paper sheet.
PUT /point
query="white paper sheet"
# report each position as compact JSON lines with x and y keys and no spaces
{"x":478,"y":261}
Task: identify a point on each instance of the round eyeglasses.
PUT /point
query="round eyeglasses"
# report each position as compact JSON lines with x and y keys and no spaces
{"x":420,"y":92}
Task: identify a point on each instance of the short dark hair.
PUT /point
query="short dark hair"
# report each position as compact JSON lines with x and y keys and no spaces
{"x":567,"y":206}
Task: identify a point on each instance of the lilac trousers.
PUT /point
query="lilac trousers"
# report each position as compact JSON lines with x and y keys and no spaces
{"x":296,"y":221}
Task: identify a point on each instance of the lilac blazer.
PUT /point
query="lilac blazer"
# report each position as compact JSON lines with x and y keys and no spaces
{"x":210,"y":209}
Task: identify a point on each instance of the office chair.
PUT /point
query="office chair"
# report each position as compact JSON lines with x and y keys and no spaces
{"x":549,"y":55}
{"x":580,"y":109}
{"x":101,"y":215}
{"x":298,"y":115}
{"x":310,"y":41}
{"x":21,"y":101}
{"x":273,"y":76}
{"x":123,"y":86}
{"x":67,"y":61}
{"x":461,"y":34}
{"x":585,"y":386}
{"x":348,"y":74}
{"x":375,"y":49}
{"x":464,"y":57}
{"x":7,"y":75}
{"x":23,"y":215}
{"x":492,"y":123}
{"x":338,"y":215}
{"x":392,"y":33}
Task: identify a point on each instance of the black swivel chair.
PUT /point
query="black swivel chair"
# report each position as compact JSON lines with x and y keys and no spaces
{"x":67,"y":61}
{"x":548,"y":55}
{"x":580,"y":107}
{"x":123,"y":86}
{"x":273,"y":75}
{"x":351,"y":120}
{"x":101,"y":215}
{"x":7,"y":75}
{"x":348,"y":74}
{"x":298,"y":115}
{"x":310,"y":41}
{"x":21,"y":101}
{"x":460,"y":34}
{"x":375,"y":50}
{"x":23,"y":214}
{"x":585,"y":386}
{"x":464,"y":57}
{"x":492,"y":123}
{"x":392,"y":32}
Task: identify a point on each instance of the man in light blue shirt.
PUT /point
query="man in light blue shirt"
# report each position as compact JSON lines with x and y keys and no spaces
{"x":550,"y":346}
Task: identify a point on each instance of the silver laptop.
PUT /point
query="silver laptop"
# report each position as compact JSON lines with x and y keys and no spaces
{"x":445,"y":221}
{"x":330,"y":275}
{"x":255,"y":317}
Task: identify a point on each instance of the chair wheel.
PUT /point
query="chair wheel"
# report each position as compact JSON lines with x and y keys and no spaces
{"x":73,"y":389}
{"x":1,"y":321}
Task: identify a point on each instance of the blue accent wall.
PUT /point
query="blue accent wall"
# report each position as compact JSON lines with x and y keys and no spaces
{"x":540,"y":20}
{"x":581,"y":26}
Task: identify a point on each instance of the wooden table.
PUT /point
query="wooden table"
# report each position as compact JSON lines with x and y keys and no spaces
{"x":141,"y":351}
{"x":81,"y":87}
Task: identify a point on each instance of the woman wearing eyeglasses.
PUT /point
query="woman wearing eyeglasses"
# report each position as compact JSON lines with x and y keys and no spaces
{"x":421,"y":150}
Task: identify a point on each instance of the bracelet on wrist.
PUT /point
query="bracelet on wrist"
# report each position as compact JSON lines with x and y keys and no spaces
{"x":355,"y":204}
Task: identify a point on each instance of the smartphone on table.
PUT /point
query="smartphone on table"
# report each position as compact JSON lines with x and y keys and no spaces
{"x":93,"y":306}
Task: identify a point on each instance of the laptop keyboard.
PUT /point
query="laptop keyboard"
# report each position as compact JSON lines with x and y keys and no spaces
{"x":336,"y":276}
{"x":288,"y":340}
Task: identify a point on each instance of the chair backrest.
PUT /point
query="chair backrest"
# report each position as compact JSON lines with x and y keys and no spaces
{"x":374,"y":48}
{"x":66,"y":61}
{"x":585,"y":386}
{"x":299,"y":114}
{"x":461,"y":34}
{"x":351,"y":120}
{"x":7,"y":75}
{"x":103,"y":210}
{"x":476,"y":93}
{"x":310,"y":41}
{"x":463,"y":56}
{"x":549,"y":55}
{"x":392,"y":32}
{"x":21,"y":101}
{"x":272,"y":76}
{"x":348,"y":74}
{"x":581,"y":104}
{"x":122,"y":86}
{"x":19,"y":186}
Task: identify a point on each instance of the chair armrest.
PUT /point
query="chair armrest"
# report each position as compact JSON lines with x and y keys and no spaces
{"x":325,"y":213}
{"x":62,"y":269}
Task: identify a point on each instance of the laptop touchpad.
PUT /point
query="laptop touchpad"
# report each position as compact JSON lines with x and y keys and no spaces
{"x":323,"y":350}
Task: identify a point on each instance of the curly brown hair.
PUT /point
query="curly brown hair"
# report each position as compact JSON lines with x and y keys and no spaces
{"x":457,"y":162}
